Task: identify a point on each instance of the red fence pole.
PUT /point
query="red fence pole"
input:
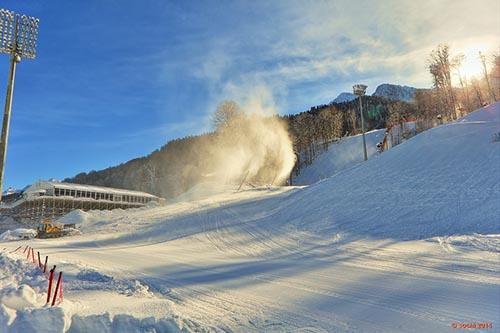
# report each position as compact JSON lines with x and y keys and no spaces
{"x":45,"y":265}
{"x":25,"y":248}
{"x":57,"y":288}
{"x":28,"y":256}
{"x":61,"y":292}
{"x":39,"y":261}
{"x":16,"y":249}
{"x":33,"y":256}
{"x":51,"y":277}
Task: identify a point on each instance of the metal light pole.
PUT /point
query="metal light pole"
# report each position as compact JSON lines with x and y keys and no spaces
{"x":18,"y":37}
{"x":360,"y":90}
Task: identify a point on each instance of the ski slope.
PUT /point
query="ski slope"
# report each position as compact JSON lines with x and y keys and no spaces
{"x":340,"y":155}
{"x":408,"y":241}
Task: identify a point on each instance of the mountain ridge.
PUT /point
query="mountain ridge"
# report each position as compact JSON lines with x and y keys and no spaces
{"x":390,"y":91}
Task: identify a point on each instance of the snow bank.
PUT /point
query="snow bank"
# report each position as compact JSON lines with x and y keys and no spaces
{"x":76,"y":217}
{"x":17,"y":234}
{"x":90,"y":220}
{"x":490,"y":243}
{"x":23,"y":308}
{"x":85,"y":278}
{"x":22,"y":299}
{"x":18,"y":298}
{"x":47,"y":320}
{"x":8,"y":223}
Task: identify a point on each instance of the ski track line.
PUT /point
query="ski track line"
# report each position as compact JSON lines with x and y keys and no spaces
{"x":269,"y":279}
{"x":236,"y":311}
{"x":421,"y":312}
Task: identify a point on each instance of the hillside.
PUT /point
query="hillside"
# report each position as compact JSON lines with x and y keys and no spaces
{"x":440,"y":182}
{"x":344,"y":97}
{"x":184,"y":163}
{"x":340,"y":155}
{"x":395,"y":92}
{"x":407,"y":241}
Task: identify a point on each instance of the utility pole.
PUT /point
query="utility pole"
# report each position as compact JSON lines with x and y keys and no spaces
{"x":360,"y":90}
{"x":18,"y":37}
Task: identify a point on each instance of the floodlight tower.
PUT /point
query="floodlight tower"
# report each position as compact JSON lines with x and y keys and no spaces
{"x":360,"y":90}
{"x":18,"y":37}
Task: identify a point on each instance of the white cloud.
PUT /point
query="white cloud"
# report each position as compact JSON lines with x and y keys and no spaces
{"x":330,"y":45}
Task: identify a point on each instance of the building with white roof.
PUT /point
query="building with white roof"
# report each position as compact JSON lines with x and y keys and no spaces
{"x":51,"y":199}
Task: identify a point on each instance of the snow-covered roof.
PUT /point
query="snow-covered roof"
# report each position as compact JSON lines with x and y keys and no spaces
{"x":44,"y":185}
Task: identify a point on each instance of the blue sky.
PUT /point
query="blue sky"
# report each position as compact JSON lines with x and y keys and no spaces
{"x":115,"y":80}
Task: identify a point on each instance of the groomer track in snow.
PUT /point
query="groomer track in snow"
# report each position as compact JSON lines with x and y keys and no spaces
{"x":405,"y":242}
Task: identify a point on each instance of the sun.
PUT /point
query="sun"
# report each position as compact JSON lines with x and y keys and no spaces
{"x":471,"y":66}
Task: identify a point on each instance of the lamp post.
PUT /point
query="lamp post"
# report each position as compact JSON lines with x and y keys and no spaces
{"x":360,"y":90}
{"x":18,"y":37}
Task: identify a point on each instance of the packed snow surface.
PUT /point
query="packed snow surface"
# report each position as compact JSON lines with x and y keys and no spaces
{"x":405,"y":242}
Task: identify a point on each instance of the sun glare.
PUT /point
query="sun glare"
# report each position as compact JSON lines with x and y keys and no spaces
{"x":471,"y":66}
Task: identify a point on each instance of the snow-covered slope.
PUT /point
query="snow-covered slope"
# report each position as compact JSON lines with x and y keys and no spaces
{"x":395,"y":92}
{"x":340,"y":155}
{"x":443,"y":181}
{"x":344,"y":97}
{"x":405,"y":242}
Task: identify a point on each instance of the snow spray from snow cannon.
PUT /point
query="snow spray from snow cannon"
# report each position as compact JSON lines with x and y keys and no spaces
{"x":251,"y":143}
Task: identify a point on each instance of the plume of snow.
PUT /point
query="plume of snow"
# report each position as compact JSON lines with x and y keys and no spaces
{"x":257,"y":147}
